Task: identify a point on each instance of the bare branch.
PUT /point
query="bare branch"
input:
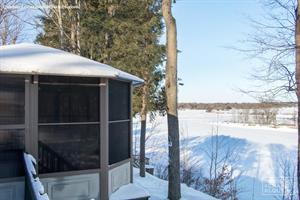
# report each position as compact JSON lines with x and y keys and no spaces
{"x":273,"y":43}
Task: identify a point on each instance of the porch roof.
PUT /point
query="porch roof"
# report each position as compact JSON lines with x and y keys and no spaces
{"x":29,"y":58}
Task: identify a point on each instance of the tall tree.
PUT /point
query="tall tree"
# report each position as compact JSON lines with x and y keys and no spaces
{"x":127,"y":36}
{"x":276,"y":41}
{"x":129,"y":39}
{"x":174,"y":192}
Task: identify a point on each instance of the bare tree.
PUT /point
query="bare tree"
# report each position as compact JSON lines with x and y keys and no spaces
{"x":10,"y":24}
{"x":287,"y":179}
{"x":276,"y":41}
{"x":65,"y":15}
{"x":74,"y":13}
{"x":161,"y":171}
{"x":152,"y":130}
{"x":273,"y":43}
{"x":135,"y":138}
{"x":221,"y":179}
{"x":191,"y":170}
{"x":222,"y":175}
{"x":174,"y":191}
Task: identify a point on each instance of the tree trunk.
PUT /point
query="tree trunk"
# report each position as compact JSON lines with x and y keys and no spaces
{"x":60,"y":24}
{"x":73,"y":34}
{"x":174,"y":192}
{"x":111,"y":8}
{"x":297,"y":42}
{"x":142,"y":145}
{"x":143,"y":130}
{"x":4,"y":34}
{"x":75,"y":23}
{"x":78,"y":27}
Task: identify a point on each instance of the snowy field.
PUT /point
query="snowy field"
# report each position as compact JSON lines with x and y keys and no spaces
{"x":263,"y":157}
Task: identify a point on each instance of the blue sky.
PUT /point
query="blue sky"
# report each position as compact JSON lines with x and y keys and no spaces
{"x":210,"y":71}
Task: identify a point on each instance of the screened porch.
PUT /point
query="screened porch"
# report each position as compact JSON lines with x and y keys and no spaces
{"x":78,"y":127}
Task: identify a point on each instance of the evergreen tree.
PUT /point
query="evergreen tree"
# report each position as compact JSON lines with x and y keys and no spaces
{"x":124,"y":34}
{"x":127,"y":36}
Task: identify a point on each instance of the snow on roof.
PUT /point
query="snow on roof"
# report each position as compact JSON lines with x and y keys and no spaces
{"x":28,"y":58}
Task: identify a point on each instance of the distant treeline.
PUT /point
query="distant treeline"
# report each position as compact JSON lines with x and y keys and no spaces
{"x":228,"y":106}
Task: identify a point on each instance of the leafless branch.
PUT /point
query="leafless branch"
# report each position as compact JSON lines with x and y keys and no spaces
{"x":10,"y":25}
{"x":273,"y":44}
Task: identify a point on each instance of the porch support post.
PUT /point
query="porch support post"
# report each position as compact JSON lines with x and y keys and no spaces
{"x":33,"y":106}
{"x":104,"y":139}
{"x":27,"y":115}
{"x":131,"y":136}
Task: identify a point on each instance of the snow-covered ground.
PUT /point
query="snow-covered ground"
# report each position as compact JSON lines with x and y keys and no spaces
{"x":158,"y":188}
{"x":154,"y":187}
{"x":262,"y":154}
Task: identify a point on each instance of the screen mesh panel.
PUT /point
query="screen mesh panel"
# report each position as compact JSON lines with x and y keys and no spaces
{"x":119,"y":142}
{"x":119,"y":117}
{"x":69,"y":124}
{"x":12,"y":100}
{"x":119,"y":100}
{"x":60,"y":103}
{"x":71,"y":147}
{"x":12,"y":140}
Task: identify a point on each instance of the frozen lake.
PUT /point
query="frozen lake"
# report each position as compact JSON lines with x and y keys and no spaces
{"x":260,"y":153}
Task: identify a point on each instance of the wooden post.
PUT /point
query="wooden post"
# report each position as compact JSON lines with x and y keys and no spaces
{"x":104,"y":139}
{"x":131,"y":136}
{"x":34,"y":103}
{"x":27,"y":115}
